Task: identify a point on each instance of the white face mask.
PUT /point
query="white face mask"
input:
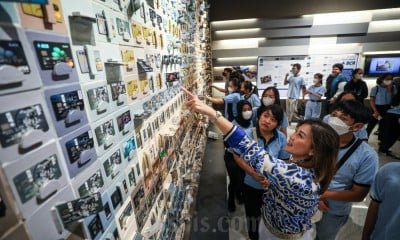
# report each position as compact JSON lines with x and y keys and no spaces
{"x":387,"y":82}
{"x":338,"y":125}
{"x":267,"y":101}
{"x":247,"y":114}
{"x":230,"y":90}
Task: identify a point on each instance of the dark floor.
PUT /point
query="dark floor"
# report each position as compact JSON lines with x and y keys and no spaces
{"x":211,"y":220}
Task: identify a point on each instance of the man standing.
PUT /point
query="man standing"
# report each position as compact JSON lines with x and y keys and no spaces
{"x":383,"y":217}
{"x":227,"y":74}
{"x":356,"y":168}
{"x":296,"y":82}
{"x":334,"y":84}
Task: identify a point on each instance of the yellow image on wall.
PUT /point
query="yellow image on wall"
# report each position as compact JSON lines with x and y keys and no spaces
{"x":137,"y":32}
{"x":37,"y":10}
{"x":133,"y":89}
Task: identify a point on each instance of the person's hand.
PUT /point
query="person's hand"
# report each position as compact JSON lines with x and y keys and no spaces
{"x":287,"y":74}
{"x":262,"y":180}
{"x":376,"y":115}
{"x":303,"y":100}
{"x":323,"y":205}
{"x":195,"y":105}
{"x":332,"y":100}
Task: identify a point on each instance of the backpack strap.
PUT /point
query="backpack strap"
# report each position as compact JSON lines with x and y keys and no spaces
{"x":346,"y":156}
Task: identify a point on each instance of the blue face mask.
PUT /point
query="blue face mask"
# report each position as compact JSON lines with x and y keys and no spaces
{"x":293,"y":72}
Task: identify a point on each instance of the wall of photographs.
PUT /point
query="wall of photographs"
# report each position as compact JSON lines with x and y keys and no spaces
{"x":95,"y":141}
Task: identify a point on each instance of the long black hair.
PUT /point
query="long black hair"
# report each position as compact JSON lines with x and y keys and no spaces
{"x":239,"y":118}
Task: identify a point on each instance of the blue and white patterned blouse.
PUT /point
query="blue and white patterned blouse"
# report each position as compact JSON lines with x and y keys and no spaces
{"x":292,"y":196}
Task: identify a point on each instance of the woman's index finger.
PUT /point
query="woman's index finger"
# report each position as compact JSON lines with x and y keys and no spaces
{"x":187,"y":92}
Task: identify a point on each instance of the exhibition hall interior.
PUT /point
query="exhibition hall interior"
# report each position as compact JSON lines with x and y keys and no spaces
{"x":199,"y":119}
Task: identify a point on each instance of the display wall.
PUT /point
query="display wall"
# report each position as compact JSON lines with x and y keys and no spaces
{"x":95,"y":139}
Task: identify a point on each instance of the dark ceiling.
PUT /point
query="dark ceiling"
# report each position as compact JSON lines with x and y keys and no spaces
{"x":242,"y":9}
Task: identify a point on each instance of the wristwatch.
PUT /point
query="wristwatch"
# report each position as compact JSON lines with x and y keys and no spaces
{"x":218,"y":114}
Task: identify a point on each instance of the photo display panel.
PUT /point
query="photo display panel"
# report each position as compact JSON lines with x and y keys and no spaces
{"x":271,"y":71}
{"x":51,"y":53}
{"x":12,"y":53}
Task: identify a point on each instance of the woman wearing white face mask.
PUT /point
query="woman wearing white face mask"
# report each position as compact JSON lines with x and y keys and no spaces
{"x":270,"y":96}
{"x":315,"y":92}
{"x":380,"y":99}
{"x":235,"y":173}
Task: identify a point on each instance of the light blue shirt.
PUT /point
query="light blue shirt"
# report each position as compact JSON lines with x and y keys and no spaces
{"x":320,"y":90}
{"x":231,"y":100}
{"x":360,"y":133}
{"x":386,"y":191}
{"x":275,"y":147}
{"x":295,"y":84}
{"x":254,"y":100}
{"x":382,"y":95}
{"x":360,"y":168}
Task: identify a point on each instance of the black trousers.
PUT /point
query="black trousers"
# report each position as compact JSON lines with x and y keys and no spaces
{"x":389,"y":132}
{"x":382,"y":109}
{"x":236,"y":176}
{"x":252,"y":206}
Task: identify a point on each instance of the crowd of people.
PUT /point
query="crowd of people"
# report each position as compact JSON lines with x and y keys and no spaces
{"x":323,"y":167}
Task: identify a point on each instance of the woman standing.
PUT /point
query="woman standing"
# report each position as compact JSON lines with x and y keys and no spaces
{"x":249,"y":94}
{"x":314,"y":103}
{"x":270,"y":96}
{"x":294,"y":187}
{"x":380,"y":99}
{"x":235,"y":173}
{"x":273,"y":141}
{"x":357,"y":85}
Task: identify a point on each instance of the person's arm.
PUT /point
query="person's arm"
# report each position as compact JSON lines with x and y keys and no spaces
{"x":215,"y":100}
{"x":356,"y":194}
{"x":256,"y":101}
{"x":314,"y":94}
{"x":364,"y":91}
{"x":340,"y":89}
{"x":223,"y":90}
{"x":286,"y":80}
{"x":370,"y":220}
{"x":195,"y":105}
{"x":247,"y":168}
{"x":375,"y":113}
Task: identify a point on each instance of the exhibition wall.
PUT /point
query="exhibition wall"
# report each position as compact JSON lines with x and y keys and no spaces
{"x":95,"y":140}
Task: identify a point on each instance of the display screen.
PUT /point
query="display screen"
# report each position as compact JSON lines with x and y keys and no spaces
{"x":29,"y":181}
{"x":117,"y":89}
{"x":13,"y":124}
{"x":96,"y":95}
{"x":129,"y":146}
{"x":171,"y":77}
{"x":80,"y":208}
{"x":77,"y":145}
{"x":123,"y":119}
{"x":12,"y":53}
{"x":378,"y":65}
{"x":64,"y":102}
{"x":116,"y":197}
{"x":95,"y":227}
{"x":92,"y":185}
{"x":111,"y":163}
{"x":103,"y":131}
{"x":51,"y":53}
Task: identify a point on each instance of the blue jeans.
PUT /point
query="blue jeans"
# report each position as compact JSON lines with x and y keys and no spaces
{"x":329,"y":226}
